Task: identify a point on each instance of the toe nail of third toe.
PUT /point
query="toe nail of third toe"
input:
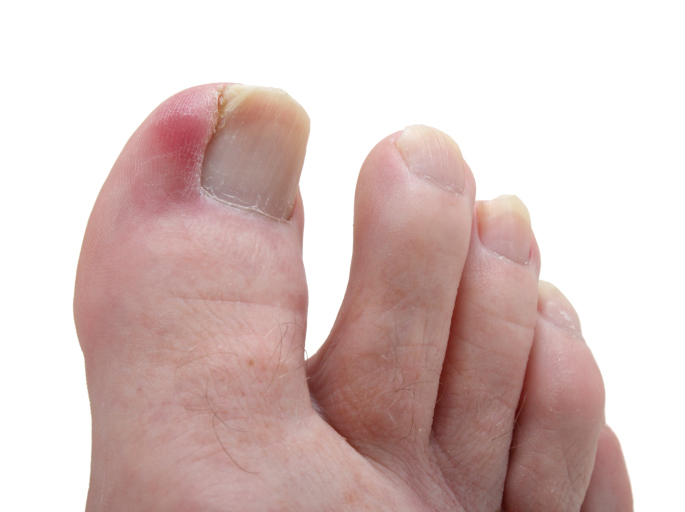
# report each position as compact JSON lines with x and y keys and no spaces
{"x":504,"y":228}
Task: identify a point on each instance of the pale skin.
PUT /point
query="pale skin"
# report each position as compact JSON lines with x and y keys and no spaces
{"x":452,"y":380}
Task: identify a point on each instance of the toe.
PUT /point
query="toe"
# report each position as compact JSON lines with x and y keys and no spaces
{"x":609,"y":489}
{"x":561,"y":414}
{"x":490,"y":340}
{"x":377,"y":375}
{"x":191,"y":299}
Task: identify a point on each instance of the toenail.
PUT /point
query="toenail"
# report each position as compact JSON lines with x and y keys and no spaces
{"x":255,"y":156}
{"x":432,"y":155}
{"x":504,"y":228}
{"x":553,"y":305}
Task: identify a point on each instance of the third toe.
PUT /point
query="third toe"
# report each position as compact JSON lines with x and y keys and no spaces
{"x":485,"y":363}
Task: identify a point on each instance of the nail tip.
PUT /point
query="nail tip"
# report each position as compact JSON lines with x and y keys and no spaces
{"x":505,"y":204}
{"x":232,"y":95}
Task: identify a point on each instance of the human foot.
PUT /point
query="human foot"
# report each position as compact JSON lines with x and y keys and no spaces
{"x":191,"y":311}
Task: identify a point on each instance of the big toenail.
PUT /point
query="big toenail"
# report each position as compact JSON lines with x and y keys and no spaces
{"x":432,"y":155}
{"x":504,"y":228}
{"x":553,"y":305}
{"x":255,"y":156}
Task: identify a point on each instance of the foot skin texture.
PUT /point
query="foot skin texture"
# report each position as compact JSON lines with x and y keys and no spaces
{"x":452,"y":380}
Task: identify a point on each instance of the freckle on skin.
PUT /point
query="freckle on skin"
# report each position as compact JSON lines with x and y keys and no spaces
{"x":250,"y":362}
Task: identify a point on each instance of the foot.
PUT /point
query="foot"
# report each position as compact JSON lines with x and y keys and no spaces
{"x":451,"y":380}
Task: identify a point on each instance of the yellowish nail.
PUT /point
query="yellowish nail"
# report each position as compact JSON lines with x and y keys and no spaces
{"x":254,"y":160}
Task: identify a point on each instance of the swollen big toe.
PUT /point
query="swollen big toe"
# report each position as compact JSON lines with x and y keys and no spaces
{"x":171,"y":296}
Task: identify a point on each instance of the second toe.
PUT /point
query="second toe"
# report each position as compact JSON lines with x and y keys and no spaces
{"x":376,"y":378}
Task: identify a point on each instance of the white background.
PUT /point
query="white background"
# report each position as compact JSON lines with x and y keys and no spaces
{"x":577,"y":107}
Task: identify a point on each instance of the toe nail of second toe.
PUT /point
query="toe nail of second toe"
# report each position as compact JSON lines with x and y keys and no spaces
{"x":432,"y":155}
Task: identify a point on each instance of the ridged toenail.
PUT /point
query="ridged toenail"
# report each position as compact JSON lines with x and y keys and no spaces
{"x":553,"y":305}
{"x":432,"y":155}
{"x":504,"y":228}
{"x":255,"y":157}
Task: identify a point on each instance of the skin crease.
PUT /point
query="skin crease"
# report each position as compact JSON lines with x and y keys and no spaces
{"x":191,"y":314}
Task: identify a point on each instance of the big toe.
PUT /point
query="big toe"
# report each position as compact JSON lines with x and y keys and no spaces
{"x":191,"y":297}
